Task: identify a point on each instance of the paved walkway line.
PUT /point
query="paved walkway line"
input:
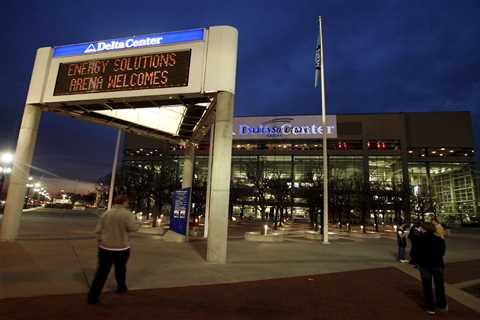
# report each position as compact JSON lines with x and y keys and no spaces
{"x":466,"y":284}
{"x":451,"y":291}
{"x":32,"y":209}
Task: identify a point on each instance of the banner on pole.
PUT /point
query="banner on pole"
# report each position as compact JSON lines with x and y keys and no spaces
{"x":318,"y":55}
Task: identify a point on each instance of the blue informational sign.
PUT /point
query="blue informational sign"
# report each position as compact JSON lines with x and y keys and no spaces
{"x":180,"y":211}
{"x":150,"y":40}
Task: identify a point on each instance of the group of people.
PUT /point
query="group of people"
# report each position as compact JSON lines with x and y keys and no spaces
{"x":426,"y":253}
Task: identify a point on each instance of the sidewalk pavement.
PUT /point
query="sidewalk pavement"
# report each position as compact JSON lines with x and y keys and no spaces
{"x":58,"y":273}
{"x":345,"y":295}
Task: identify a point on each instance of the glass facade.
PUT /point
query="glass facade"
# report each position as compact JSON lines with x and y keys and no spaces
{"x":242,"y":168}
{"x":201,"y":171}
{"x":276,"y":167}
{"x":441,"y":187}
{"x":453,"y":187}
{"x":346,"y":168}
{"x":385,"y":171}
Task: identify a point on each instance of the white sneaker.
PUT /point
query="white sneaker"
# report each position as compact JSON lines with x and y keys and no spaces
{"x":430,"y":312}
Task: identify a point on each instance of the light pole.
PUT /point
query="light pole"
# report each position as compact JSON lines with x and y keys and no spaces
{"x":29,"y":188}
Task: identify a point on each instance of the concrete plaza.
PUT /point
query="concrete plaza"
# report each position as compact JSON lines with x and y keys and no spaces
{"x":56,"y":255}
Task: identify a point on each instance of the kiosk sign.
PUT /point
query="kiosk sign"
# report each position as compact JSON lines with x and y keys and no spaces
{"x":150,"y":71}
{"x":180,"y":211}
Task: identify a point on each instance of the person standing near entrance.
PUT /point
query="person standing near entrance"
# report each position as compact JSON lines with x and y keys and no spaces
{"x":414,"y":235}
{"x":402,"y":243}
{"x":431,"y":249}
{"x":113,"y":246}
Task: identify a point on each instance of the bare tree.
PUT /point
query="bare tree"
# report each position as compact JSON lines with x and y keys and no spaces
{"x":281,"y":191}
{"x":258,"y":182}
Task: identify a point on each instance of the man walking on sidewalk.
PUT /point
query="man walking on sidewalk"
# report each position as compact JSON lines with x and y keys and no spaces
{"x":113,"y":246}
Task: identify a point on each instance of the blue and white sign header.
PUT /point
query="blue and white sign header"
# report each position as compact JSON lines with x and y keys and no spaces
{"x":129,"y":43}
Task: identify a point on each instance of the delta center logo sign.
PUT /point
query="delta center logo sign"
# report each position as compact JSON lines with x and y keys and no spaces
{"x":129,"y":43}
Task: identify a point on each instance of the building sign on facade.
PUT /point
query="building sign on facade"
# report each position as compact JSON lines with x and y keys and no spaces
{"x":292,"y":127}
{"x":158,"y":70}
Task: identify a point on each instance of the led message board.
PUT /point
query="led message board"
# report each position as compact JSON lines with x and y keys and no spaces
{"x":149,"y":71}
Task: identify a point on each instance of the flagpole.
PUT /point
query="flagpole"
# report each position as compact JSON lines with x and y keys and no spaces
{"x":324,"y":137}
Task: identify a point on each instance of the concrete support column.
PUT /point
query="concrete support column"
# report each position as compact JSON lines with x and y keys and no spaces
{"x":21,"y":168}
{"x":209,"y":182}
{"x":221,"y":171}
{"x":187,"y":180}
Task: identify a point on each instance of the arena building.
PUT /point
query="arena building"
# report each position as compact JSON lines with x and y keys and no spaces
{"x":383,"y":168}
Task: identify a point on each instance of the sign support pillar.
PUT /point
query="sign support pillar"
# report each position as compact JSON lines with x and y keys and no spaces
{"x":21,"y":168}
{"x":114,"y":170}
{"x":220,"y":176}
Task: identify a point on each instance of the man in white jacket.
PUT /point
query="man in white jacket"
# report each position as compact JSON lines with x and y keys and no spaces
{"x":113,"y":246}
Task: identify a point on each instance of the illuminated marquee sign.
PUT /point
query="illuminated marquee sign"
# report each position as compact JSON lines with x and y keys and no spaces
{"x":293,"y":127}
{"x":129,"y":43}
{"x":150,"y":71}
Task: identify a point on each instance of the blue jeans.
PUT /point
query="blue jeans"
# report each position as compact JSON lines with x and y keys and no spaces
{"x":401,"y":253}
{"x":437,"y":274}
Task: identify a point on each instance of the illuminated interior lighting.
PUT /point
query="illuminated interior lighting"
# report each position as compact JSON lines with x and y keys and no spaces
{"x":166,"y":119}
{"x":203,"y":104}
{"x":434,"y":152}
{"x":452,"y":151}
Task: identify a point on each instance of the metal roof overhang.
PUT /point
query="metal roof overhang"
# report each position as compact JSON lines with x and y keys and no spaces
{"x":190,"y":118}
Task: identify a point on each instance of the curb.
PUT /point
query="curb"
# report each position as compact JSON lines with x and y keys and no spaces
{"x":450,"y":290}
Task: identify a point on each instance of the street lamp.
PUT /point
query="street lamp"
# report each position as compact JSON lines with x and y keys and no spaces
{"x":6,"y":159}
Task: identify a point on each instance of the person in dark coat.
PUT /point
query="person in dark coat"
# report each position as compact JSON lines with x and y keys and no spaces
{"x":431,"y":250}
{"x":413,"y":236}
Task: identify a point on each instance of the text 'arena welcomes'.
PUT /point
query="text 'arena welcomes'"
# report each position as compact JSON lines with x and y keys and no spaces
{"x":162,"y":70}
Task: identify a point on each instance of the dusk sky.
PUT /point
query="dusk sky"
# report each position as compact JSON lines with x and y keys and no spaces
{"x":380,"y":56}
